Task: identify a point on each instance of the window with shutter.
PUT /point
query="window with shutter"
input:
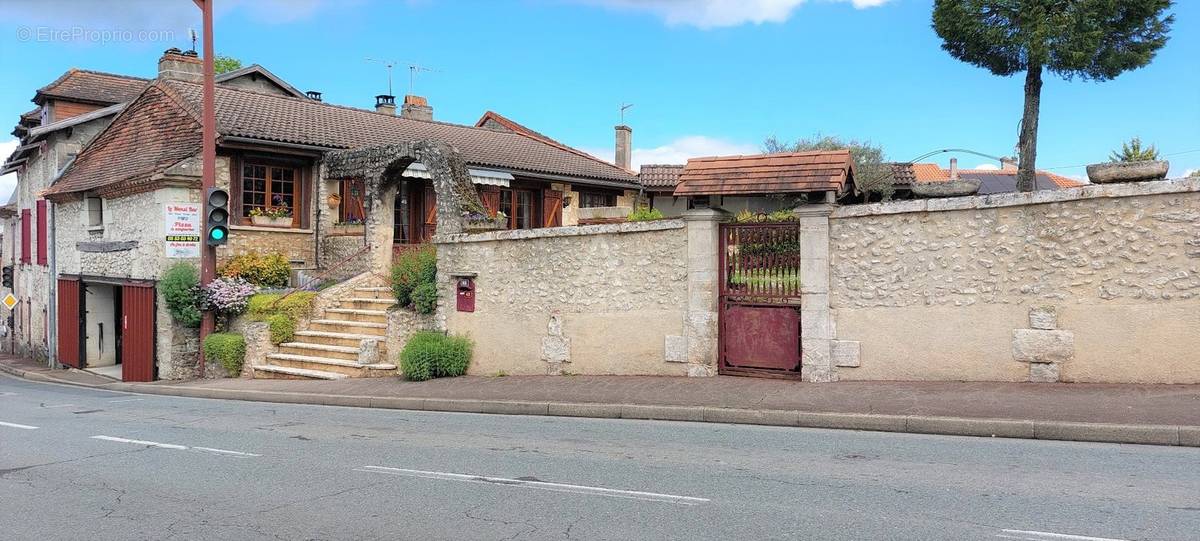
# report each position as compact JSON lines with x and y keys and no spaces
{"x":42,"y":215}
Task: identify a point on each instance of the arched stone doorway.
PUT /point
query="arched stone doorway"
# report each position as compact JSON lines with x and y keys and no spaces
{"x":380,"y":169}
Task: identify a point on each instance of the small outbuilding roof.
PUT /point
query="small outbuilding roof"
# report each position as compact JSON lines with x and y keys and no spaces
{"x":796,"y":172}
{"x":660,"y":177}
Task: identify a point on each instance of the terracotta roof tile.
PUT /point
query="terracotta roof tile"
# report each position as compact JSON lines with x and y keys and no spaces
{"x":492,"y":118}
{"x":767,"y":173}
{"x":92,"y":87}
{"x":660,"y":177}
{"x":995,"y":180}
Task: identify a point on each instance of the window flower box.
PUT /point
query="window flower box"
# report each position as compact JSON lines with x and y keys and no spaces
{"x":474,"y":222}
{"x":267,"y":221}
{"x":347,"y":229}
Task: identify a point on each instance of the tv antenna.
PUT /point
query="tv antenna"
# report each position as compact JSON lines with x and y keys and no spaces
{"x":192,"y":32}
{"x":389,"y":64}
{"x":624,"y":106}
{"x":413,"y":70}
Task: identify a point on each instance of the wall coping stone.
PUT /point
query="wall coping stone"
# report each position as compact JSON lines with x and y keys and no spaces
{"x":1040,"y":197}
{"x":568,"y":231}
{"x":707,"y":215}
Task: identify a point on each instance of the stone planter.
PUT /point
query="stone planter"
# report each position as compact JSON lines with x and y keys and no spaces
{"x":949,"y":188}
{"x":347,"y":230}
{"x":266,"y":221}
{"x":483,"y":227}
{"x":1104,"y":173}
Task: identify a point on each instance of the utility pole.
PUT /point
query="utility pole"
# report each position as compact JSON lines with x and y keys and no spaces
{"x":208,"y":175}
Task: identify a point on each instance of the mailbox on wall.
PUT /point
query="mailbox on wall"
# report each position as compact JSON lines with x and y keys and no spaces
{"x":466,"y":294}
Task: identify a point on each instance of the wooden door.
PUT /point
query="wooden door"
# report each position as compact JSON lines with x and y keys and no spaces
{"x":551,"y":208}
{"x":137,"y":332}
{"x":70,"y":322}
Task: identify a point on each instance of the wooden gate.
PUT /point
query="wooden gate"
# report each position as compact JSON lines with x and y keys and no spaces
{"x":70,"y":322}
{"x":759,"y":310}
{"x":137,"y":332}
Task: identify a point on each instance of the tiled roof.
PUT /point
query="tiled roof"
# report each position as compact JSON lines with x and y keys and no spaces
{"x":929,"y":171}
{"x":903,"y":174}
{"x":660,"y":176}
{"x":491,"y":119}
{"x":150,"y":135}
{"x":994,"y":180}
{"x":291,"y":120}
{"x":767,"y":173}
{"x":92,"y":87}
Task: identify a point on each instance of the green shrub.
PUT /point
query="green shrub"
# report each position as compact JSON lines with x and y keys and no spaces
{"x":283,"y":328}
{"x":227,"y":348}
{"x":412,"y":269}
{"x":263,"y":270}
{"x":424,"y":298}
{"x":644,"y":214}
{"x":435,"y":355}
{"x":178,"y":286}
{"x":298,"y":305}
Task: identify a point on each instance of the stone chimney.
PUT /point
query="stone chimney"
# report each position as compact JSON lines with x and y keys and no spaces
{"x":1008,"y":163}
{"x":385,"y":104}
{"x":953,"y":168}
{"x":313,"y":95}
{"x":624,"y":146}
{"x":181,"y":66}
{"x":416,"y":108}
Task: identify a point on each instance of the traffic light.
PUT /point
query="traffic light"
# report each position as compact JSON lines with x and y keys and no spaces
{"x":8,"y":276}
{"x":216,"y":224}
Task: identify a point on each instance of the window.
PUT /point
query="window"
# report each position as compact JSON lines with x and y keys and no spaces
{"x":597,"y":199}
{"x":95,"y":211}
{"x":265,"y":185}
{"x":518,"y":206}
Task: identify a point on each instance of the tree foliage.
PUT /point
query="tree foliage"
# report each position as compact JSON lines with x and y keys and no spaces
{"x":1090,"y":39}
{"x":872,"y":174}
{"x":224,"y":64}
{"x":1132,"y":151}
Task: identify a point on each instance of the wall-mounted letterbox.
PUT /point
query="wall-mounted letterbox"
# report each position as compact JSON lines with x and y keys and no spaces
{"x":466,"y":293}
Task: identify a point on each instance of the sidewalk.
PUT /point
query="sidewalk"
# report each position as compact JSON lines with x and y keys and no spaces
{"x":1154,"y":414}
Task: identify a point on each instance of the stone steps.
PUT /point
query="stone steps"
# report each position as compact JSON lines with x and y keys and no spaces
{"x":271,"y":371}
{"x":377,"y":330}
{"x":352,"y":314}
{"x":329,"y":338}
{"x":325,"y":364}
{"x":320,"y":350}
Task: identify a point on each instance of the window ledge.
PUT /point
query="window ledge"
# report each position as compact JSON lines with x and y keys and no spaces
{"x":95,"y":229}
{"x":286,"y":230}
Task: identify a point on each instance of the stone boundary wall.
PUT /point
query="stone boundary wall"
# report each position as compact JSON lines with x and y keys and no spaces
{"x":1092,"y":284}
{"x":597,"y":299}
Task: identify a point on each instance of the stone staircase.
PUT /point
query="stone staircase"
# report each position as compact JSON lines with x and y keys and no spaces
{"x":329,"y":347}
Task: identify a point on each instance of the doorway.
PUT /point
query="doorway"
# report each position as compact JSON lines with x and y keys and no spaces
{"x":101,"y":329}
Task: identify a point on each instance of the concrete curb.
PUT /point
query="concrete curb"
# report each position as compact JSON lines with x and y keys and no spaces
{"x":1181,"y":435}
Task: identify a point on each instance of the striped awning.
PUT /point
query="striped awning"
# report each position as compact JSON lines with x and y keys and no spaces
{"x":478,"y":176}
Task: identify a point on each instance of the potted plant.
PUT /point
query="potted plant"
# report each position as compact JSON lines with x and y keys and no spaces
{"x":276,"y":215}
{"x":1132,"y":163}
{"x":476,"y":222}
{"x":334,"y":200}
{"x":351,"y":227}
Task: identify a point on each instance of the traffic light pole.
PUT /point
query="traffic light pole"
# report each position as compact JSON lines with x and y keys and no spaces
{"x":208,"y":253}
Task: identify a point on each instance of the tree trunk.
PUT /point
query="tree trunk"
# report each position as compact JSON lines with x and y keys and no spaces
{"x":1027,"y":142}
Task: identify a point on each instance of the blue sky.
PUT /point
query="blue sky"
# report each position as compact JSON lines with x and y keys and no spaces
{"x":705,"y":76}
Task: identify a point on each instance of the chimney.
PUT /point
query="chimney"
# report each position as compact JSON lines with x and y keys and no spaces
{"x":181,"y":66}
{"x":313,"y":95}
{"x":1008,"y":163}
{"x":416,"y":108}
{"x":385,"y":104}
{"x":624,"y":146}
{"x":953,"y":168}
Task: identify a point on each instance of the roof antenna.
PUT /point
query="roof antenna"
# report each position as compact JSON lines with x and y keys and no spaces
{"x":192,"y":31}
{"x":413,"y":70}
{"x":624,"y":106}
{"x":389,"y":64}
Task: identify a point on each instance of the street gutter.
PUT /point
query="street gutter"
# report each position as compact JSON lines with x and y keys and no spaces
{"x":1177,"y":435}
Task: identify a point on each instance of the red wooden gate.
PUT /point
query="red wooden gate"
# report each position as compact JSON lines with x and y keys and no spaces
{"x":759,"y":312}
{"x":137,"y":332}
{"x":69,"y":322}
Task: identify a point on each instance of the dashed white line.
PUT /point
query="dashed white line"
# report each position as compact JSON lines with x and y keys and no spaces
{"x":15,"y":425}
{"x":541,"y":485}
{"x":125,"y":400}
{"x":142,"y":442}
{"x":6,"y":393}
{"x":224,"y":451}
{"x":1034,"y":535}
{"x":58,"y":406}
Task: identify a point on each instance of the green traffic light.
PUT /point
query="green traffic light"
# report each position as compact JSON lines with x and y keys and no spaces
{"x":217,"y":234}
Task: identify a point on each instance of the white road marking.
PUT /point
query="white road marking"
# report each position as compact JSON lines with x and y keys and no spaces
{"x":224,"y":451}
{"x":15,"y":425}
{"x":1050,"y":536}
{"x":58,"y":406}
{"x":6,"y":393}
{"x":542,"y":485}
{"x":125,"y":400}
{"x":142,"y":442}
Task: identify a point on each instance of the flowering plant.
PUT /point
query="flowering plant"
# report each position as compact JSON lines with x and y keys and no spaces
{"x":226,"y":297}
{"x":278,"y":209}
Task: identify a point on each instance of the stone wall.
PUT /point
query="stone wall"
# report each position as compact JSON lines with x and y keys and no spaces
{"x":601,"y":299}
{"x":1094,"y":284}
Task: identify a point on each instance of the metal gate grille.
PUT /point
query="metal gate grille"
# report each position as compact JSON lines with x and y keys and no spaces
{"x":760,"y":300}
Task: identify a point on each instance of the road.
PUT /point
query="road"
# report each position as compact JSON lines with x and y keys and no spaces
{"x":79,"y":463}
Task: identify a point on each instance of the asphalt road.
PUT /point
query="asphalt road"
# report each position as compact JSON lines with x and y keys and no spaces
{"x":78,"y":463}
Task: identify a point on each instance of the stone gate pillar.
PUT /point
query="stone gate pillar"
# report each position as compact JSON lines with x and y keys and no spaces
{"x":700,"y":324}
{"x":816,"y":320}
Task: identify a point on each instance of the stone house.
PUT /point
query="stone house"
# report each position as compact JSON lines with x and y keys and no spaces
{"x":115,"y":199}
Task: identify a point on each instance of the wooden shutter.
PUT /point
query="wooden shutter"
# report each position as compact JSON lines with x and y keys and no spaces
{"x":551,"y":208}
{"x":137,"y":332}
{"x":26,"y":235}
{"x":42,"y":215}
{"x":429,"y":211}
{"x":69,"y":322}
{"x":491,"y":199}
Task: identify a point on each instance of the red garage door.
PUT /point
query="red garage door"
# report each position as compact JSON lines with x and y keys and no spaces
{"x":69,"y":321}
{"x":137,"y":332}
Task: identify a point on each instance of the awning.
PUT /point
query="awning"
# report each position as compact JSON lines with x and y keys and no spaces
{"x":478,"y":176}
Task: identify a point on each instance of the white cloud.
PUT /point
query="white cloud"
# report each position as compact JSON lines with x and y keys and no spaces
{"x":7,"y":182}
{"x":987,"y":167}
{"x":679,"y":150}
{"x":707,"y":14}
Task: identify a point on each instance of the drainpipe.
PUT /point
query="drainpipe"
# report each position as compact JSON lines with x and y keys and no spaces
{"x":52,"y":308}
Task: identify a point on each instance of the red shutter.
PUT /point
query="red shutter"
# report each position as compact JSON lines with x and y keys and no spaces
{"x":429,"y":204}
{"x":551,"y":208}
{"x":26,"y":235}
{"x":491,"y":199}
{"x":137,"y":332}
{"x":42,"y":215}
{"x":68,"y":322}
